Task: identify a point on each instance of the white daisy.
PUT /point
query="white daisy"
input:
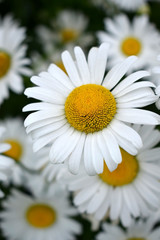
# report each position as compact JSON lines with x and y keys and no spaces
{"x":82,"y":114}
{"x":71,"y":28}
{"x":12,"y":57}
{"x":130,"y":5}
{"x":140,"y":230}
{"x":132,"y":190}
{"x":45,"y":218}
{"x":6,"y":163}
{"x":128,"y":39}
{"x":68,"y":29}
{"x":21,"y":150}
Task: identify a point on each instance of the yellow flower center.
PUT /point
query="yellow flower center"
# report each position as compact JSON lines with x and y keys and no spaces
{"x":5,"y":62}
{"x":41,"y":216}
{"x":90,"y":108}
{"x":69,"y":35}
{"x":131,"y":46}
{"x":15,"y":151}
{"x":125,"y":173}
{"x":61,"y":66}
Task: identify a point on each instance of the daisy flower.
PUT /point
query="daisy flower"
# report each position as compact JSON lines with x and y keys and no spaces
{"x":6,"y":163}
{"x":44,"y":217}
{"x":140,"y":230}
{"x":134,"y":38}
{"x":12,"y":57}
{"x":68,"y":29}
{"x":83,"y":114}
{"x":21,"y":150}
{"x":132,"y":190}
{"x":71,"y":28}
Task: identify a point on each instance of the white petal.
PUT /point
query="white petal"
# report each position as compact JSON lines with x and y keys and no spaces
{"x":100,"y":64}
{"x":138,"y":116}
{"x":76,"y":155}
{"x":128,"y":81}
{"x":117,"y":72}
{"x":82,"y":65}
{"x":105,"y":152}
{"x":64,"y":145}
{"x":92,"y":56}
{"x":71,"y":69}
{"x":88,"y":162}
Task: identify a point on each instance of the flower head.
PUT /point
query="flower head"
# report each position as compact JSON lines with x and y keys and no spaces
{"x":134,"y":38}
{"x":12,"y":57}
{"x":132,"y":190}
{"x":83,"y":113}
{"x":45,"y":216}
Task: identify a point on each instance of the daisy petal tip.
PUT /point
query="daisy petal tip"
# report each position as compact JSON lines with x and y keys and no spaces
{"x":105,"y":45}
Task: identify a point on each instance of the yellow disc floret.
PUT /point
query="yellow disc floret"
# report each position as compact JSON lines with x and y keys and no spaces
{"x":16,"y":149}
{"x":69,"y":35}
{"x":90,"y":108}
{"x":40,"y":215}
{"x":5,"y":62}
{"x":125,"y":173}
{"x":131,"y":46}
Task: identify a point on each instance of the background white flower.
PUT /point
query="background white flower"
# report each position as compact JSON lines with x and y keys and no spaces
{"x":131,"y":38}
{"x":12,"y":57}
{"x":45,"y":217}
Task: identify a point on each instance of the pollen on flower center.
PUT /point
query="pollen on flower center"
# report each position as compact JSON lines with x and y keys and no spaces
{"x":90,"y":108}
{"x":131,"y":46}
{"x":5,"y":62}
{"x":125,"y":173}
{"x":15,"y":151}
{"x":40,"y":215}
{"x":69,"y":35}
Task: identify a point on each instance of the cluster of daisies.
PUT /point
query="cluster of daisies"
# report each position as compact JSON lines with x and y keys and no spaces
{"x":88,"y":149}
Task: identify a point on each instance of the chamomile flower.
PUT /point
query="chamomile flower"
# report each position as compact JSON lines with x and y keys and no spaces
{"x":71,"y":28}
{"x":129,"y":4}
{"x":134,"y":38}
{"x":83,"y":114}
{"x":6,"y":163}
{"x":140,"y":230}
{"x":132,"y":190}
{"x":12,"y":57}
{"x":21,"y":150}
{"x":44,"y":217}
{"x":67,"y":30}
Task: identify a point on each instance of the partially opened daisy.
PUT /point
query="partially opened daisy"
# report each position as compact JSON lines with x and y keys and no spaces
{"x":132,"y":190}
{"x":6,"y":163}
{"x":134,"y":38}
{"x":45,"y":217}
{"x":140,"y":230}
{"x":12,"y":57}
{"x":129,"y":4}
{"x":83,"y":114}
